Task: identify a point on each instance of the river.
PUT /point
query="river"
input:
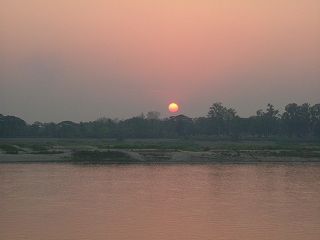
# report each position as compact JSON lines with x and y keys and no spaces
{"x":161,"y":201}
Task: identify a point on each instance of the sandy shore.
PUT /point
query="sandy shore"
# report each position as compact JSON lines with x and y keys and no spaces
{"x":166,"y":156}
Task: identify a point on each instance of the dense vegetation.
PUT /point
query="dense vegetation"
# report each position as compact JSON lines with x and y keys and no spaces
{"x":297,"y":121}
{"x":101,"y":156}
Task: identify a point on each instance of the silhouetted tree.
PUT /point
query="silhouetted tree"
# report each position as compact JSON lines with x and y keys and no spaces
{"x":36,"y":129}
{"x":154,"y":125}
{"x":11,"y":126}
{"x":296,"y":120}
{"x":153,"y":115}
{"x":203,"y":126}
{"x":221,"y":118}
{"x":49,"y":130}
{"x":67,"y":129}
{"x":266,"y":123}
{"x":315,"y":119}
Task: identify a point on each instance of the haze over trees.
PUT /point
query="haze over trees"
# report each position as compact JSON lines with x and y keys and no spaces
{"x":297,"y":121}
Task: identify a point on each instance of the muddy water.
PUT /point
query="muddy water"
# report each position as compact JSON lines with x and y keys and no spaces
{"x":209,"y":201}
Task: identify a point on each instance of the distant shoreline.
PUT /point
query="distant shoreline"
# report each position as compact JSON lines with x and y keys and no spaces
{"x":145,"y":156}
{"x":151,"y":151}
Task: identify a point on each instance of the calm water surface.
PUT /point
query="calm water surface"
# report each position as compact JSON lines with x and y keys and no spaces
{"x":210,"y":201}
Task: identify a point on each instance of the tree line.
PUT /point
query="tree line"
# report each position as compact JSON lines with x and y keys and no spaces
{"x":297,"y":121}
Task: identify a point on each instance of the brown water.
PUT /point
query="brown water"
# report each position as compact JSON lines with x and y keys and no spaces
{"x":217,"y":201}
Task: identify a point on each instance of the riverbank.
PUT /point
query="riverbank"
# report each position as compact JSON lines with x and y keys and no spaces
{"x":67,"y":154}
{"x":154,"y":151}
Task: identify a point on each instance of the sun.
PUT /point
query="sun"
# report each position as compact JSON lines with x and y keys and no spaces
{"x":173,"y":107}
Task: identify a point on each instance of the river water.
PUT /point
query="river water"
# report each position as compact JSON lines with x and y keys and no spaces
{"x":177,"y":201}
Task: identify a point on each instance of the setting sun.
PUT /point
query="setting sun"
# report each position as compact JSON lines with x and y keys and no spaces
{"x":173,"y":107}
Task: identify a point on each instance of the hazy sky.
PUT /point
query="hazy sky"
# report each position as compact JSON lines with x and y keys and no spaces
{"x":81,"y":60}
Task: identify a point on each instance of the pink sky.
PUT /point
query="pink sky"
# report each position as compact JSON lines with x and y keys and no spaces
{"x":81,"y":60}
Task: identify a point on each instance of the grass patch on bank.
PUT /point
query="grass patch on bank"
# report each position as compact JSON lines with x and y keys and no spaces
{"x":194,"y":144}
{"x":86,"y":156}
{"x":9,"y":148}
{"x":156,"y":146}
{"x":35,"y":146}
{"x":293,"y":153}
{"x":47,"y":152}
{"x":267,"y":147}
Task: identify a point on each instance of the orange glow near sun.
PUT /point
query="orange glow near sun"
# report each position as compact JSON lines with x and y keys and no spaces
{"x":173,"y":107}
